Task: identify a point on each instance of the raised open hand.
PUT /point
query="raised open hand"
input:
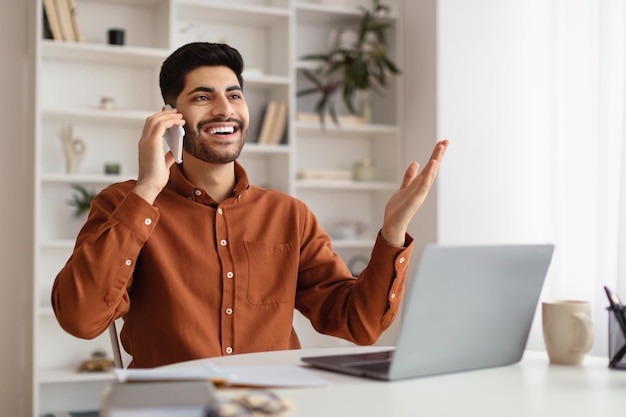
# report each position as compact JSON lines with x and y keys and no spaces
{"x":405,"y":202}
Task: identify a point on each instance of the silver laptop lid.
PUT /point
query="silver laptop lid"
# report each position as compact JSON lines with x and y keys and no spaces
{"x":473,"y":307}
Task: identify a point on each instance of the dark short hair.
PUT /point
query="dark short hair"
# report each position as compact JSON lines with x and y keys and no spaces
{"x":191,"y":56}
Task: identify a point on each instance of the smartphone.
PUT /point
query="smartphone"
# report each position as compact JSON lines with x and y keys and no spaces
{"x":174,"y":138}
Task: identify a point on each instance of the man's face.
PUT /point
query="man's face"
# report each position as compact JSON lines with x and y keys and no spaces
{"x":216,"y":114}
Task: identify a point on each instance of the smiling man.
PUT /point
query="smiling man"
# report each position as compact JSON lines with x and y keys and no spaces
{"x":199,"y":262}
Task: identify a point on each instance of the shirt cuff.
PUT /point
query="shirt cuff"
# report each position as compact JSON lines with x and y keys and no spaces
{"x":137,"y":215}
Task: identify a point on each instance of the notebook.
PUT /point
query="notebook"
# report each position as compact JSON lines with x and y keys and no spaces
{"x":466,"y":308}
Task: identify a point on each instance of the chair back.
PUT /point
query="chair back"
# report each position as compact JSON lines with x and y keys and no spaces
{"x":115,"y":345}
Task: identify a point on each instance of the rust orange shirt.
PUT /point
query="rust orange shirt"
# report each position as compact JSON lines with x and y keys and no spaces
{"x":193,"y":278}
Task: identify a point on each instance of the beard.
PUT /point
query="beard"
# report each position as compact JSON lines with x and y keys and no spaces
{"x":214,"y":154}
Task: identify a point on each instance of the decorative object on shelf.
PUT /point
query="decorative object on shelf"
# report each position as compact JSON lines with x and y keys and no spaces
{"x":81,"y":200}
{"x":112,"y":168}
{"x":363,"y":170}
{"x":107,"y":103}
{"x":116,"y":36}
{"x":73,"y":148}
{"x":97,"y":363}
{"x":347,"y":229}
{"x":352,"y":66}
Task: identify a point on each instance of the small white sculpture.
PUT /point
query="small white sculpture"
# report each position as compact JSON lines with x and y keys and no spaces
{"x":73,"y":148}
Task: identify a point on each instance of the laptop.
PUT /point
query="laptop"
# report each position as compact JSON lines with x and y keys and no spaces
{"x":467,"y":308}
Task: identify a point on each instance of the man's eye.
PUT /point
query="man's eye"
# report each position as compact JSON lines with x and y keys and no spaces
{"x":201,"y":98}
{"x":235,"y":96}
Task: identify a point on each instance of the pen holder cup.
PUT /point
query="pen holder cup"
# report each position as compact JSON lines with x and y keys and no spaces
{"x":617,"y":343}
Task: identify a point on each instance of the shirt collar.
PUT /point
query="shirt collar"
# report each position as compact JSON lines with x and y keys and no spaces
{"x":179,"y":183}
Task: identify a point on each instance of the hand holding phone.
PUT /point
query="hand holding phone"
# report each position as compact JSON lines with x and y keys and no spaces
{"x":174,"y":138}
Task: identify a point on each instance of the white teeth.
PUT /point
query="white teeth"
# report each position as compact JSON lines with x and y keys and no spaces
{"x":221,"y":129}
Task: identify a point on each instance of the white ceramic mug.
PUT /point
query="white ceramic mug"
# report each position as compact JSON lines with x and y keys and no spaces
{"x":567,"y":330}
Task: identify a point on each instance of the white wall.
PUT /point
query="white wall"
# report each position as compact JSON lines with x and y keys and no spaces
{"x":493,"y":78}
{"x":15,"y":212}
{"x":491,"y":84}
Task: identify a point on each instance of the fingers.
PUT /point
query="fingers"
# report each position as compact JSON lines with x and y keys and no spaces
{"x":440,"y":149}
{"x":429,"y":173}
{"x":410,"y":174}
{"x":154,"y":162}
{"x":163,"y":120}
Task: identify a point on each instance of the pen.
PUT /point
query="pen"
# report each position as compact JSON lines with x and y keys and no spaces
{"x":618,"y":310}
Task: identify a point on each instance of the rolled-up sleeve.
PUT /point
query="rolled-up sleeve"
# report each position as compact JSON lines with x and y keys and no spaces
{"x":356,"y":309}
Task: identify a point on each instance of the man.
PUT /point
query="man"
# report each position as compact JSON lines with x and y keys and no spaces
{"x":201,"y":263}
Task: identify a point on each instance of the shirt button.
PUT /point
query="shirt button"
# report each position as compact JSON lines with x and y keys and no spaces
{"x":229,"y":350}
{"x":229,"y":275}
{"x":219,"y":210}
{"x":148,"y":221}
{"x":198,"y":192}
{"x":223,"y":242}
{"x":128,"y":262}
{"x":393,"y":295}
{"x":229,"y":311}
{"x":401,"y":260}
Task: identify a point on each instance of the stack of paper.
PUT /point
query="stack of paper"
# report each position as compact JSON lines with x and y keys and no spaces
{"x":253,"y":376}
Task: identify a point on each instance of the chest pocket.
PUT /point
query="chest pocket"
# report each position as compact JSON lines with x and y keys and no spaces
{"x":272,"y":273}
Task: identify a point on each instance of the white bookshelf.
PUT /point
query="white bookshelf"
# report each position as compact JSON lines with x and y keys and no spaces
{"x":72,"y":78}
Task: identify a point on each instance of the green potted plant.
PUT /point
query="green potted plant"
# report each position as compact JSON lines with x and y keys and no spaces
{"x":359,"y":66}
{"x":81,"y":200}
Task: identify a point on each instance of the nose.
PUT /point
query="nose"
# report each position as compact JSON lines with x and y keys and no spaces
{"x":222,"y":107}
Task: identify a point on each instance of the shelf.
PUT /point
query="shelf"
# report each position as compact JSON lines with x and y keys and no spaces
{"x":331,"y":14}
{"x":265,"y":149}
{"x":233,"y":13}
{"x":61,"y":376}
{"x":85,"y":178}
{"x":346,"y":185}
{"x":46,"y":311}
{"x":143,"y":3}
{"x":326,"y":14}
{"x":264,"y":80}
{"x":58,"y":244}
{"x":332,"y":129}
{"x":305,"y":64}
{"x":96,"y":115}
{"x":102,"y":53}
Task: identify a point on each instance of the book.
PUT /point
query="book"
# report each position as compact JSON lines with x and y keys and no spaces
{"x":78,"y":35}
{"x":268,"y":118}
{"x":46,"y":32}
{"x":65,"y":20}
{"x":279,"y":124}
{"x":50,"y":14}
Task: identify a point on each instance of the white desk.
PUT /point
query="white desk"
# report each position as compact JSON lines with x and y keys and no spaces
{"x":532,"y":387}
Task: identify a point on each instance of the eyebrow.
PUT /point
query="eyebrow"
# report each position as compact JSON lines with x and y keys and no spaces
{"x":212,"y":90}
